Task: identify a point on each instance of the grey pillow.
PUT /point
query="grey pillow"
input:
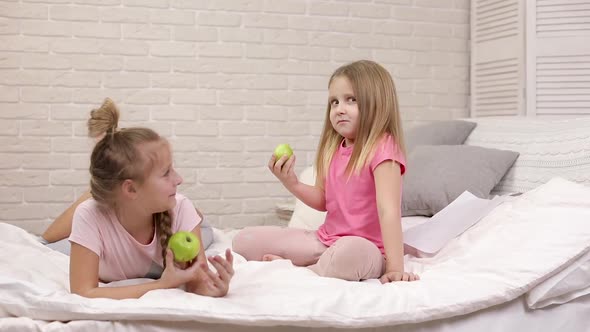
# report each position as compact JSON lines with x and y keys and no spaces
{"x":453,"y":132}
{"x":436,"y":175}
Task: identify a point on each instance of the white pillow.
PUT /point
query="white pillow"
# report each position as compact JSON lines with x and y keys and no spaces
{"x":304,"y":216}
{"x":548,"y":148}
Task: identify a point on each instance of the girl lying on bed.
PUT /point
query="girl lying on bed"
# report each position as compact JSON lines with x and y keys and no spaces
{"x":122,"y":231}
{"x":360,"y":162}
{"x":56,"y":235}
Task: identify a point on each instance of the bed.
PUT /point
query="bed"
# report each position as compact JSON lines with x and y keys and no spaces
{"x":525,"y":266}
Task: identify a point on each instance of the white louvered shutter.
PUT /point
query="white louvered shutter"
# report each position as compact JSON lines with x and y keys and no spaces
{"x":497,"y":57}
{"x":558,"y":57}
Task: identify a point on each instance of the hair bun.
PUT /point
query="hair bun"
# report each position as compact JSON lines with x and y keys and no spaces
{"x":104,"y":119}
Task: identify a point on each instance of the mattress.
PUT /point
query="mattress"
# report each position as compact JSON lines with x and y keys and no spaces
{"x":510,"y":316}
{"x":509,"y":253}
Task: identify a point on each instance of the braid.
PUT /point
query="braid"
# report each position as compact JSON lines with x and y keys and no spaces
{"x":163,"y":223}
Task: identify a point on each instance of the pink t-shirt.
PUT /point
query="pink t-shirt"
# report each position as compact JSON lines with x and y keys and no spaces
{"x":121,"y":257}
{"x":351,"y":203}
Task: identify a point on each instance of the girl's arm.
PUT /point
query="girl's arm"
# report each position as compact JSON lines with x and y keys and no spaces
{"x":388,"y":191}
{"x":62,"y":225}
{"x":312,"y":196}
{"x":84,"y":277}
{"x":283,"y":169}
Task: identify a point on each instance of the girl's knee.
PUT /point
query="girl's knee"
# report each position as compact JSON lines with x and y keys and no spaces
{"x":253,"y":242}
{"x":351,"y":258}
{"x":244,"y":243}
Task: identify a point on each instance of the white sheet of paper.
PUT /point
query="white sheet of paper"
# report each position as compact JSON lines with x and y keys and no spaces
{"x":450,"y":222}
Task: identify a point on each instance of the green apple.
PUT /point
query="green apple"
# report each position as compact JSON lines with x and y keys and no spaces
{"x":282,"y":150}
{"x":185,"y":246}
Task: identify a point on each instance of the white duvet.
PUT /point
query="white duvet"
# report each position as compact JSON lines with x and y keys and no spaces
{"x":514,"y":248}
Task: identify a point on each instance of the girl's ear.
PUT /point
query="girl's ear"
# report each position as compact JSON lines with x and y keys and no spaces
{"x":129,"y":189}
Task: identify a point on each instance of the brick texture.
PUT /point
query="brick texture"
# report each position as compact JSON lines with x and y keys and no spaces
{"x":224,"y":80}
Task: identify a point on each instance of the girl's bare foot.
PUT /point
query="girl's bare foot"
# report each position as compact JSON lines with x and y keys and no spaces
{"x":270,"y":257}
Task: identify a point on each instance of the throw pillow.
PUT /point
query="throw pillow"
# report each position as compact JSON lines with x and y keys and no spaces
{"x":437,"y":175}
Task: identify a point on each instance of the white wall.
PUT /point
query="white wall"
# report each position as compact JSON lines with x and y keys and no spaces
{"x":225,"y":80}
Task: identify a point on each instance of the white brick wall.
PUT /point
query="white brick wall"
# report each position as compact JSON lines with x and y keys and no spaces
{"x":225,"y":80}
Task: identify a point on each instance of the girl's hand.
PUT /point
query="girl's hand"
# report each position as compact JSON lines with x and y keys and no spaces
{"x":398,"y":276}
{"x":176,"y":275}
{"x":214,"y":284}
{"x":283,"y":169}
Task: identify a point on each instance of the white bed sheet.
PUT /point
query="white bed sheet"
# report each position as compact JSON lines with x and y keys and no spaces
{"x":509,"y":316}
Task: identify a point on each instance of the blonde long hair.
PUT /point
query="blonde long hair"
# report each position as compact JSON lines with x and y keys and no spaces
{"x":116,"y":158}
{"x":377,"y":102}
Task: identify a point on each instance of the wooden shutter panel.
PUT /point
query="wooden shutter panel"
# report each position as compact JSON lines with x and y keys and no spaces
{"x":497,"y":57}
{"x":558,"y":57}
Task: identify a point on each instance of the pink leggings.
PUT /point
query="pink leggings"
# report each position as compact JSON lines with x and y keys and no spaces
{"x":350,"y":258}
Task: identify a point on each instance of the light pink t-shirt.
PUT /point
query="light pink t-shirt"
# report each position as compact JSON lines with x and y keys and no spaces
{"x":351,"y":203}
{"x":121,"y":257}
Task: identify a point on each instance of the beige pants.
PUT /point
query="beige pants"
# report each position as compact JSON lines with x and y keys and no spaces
{"x":350,"y":258}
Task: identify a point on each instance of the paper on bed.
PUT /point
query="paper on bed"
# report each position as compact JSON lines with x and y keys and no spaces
{"x":450,"y":222}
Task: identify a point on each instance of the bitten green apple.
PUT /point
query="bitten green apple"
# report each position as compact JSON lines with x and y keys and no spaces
{"x":283,"y":149}
{"x":185,"y":246}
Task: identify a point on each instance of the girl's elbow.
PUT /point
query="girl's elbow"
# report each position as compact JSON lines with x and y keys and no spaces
{"x":317,"y":207}
{"x":321,"y":206}
{"x":83,"y":291}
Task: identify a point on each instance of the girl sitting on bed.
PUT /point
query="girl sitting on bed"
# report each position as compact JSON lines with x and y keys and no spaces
{"x":123,"y":230}
{"x":359,"y":166}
